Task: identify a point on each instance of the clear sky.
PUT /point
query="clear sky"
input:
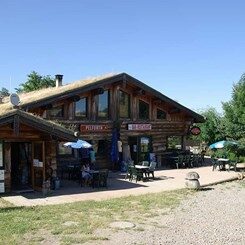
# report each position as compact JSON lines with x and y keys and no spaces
{"x":191,"y":51}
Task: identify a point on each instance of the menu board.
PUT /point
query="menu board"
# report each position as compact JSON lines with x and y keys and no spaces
{"x":1,"y":154}
{"x":2,"y":189}
{"x":1,"y":175}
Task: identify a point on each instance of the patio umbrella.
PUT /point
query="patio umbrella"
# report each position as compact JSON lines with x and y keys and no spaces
{"x":222,"y":144}
{"x":114,"y":147}
{"x":79,"y":144}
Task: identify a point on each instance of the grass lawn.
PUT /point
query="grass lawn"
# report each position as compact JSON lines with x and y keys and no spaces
{"x":75,"y":223}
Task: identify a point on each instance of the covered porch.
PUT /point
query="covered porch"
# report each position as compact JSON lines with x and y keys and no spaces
{"x":28,"y":150}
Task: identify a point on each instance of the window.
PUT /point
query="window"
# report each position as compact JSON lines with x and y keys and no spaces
{"x":62,"y":150}
{"x":103,"y":105}
{"x":124,"y":104}
{"x":81,"y":108}
{"x":161,"y":114}
{"x":174,"y":142}
{"x":56,"y":112}
{"x":143,"y":110}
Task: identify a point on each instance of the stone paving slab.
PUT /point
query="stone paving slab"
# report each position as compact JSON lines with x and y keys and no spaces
{"x":166,"y":180}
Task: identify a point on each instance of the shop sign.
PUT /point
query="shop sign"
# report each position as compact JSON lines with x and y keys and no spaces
{"x":139,"y":127}
{"x":1,"y":175}
{"x":2,"y":188}
{"x":195,"y":130}
{"x":1,"y":154}
{"x":93,"y":127}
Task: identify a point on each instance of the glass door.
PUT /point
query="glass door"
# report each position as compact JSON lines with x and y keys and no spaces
{"x":140,"y":147}
{"x":144,"y":148}
{"x":38,"y":165}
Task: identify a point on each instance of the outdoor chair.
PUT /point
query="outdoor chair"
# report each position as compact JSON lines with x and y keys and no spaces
{"x":200,"y":160}
{"x":129,"y":172}
{"x":96,"y":180}
{"x":136,"y":174}
{"x":103,"y":177}
{"x":215,"y":163}
{"x":151,"y":169}
{"x":232,"y":164}
{"x":179,"y":161}
{"x":195,"y":160}
{"x":145,"y":163}
{"x":187,"y":161}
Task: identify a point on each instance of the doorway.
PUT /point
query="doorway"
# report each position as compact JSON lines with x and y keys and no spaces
{"x":140,"y":147}
{"x":21,"y":165}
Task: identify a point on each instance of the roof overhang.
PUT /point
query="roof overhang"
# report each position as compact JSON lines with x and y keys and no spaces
{"x":63,"y":94}
{"x":17,"y":116}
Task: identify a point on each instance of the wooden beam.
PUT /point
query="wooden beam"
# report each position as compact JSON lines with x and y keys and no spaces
{"x":16,"y":126}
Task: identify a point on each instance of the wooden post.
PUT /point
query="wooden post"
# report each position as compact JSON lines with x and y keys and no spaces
{"x":183,"y":142}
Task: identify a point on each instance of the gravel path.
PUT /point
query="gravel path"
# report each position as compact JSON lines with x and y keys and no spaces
{"x":214,"y":216}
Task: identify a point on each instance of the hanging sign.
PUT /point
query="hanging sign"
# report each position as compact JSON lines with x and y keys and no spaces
{"x":195,"y":130}
{"x":1,"y":175}
{"x":1,"y":154}
{"x":93,"y":127}
{"x":2,"y":188}
{"x":139,"y":127}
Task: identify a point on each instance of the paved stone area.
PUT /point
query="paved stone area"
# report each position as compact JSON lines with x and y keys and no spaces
{"x":165,"y":180}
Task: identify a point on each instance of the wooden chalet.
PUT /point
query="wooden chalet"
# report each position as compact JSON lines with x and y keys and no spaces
{"x":32,"y":134}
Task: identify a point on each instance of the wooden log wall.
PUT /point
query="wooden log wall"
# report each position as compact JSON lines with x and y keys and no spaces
{"x":50,"y":157}
{"x":175,"y":124}
{"x":7,"y":166}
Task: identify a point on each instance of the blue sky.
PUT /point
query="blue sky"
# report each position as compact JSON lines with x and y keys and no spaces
{"x":192,"y":51}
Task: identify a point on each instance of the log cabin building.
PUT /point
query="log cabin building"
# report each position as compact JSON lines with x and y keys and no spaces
{"x":32,"y":133}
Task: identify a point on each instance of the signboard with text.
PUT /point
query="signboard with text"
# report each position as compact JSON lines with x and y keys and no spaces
{"x":195,"y":130}
{"x":93,"y":127}
{"x":1,"y":154}
{"x":2,"y":188}
{"x":139,"y":127}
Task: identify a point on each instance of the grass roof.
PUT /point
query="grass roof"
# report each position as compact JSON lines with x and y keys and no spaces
{"x":35,"y":96}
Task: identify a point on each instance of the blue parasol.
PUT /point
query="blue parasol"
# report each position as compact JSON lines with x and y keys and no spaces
{"x":114,"y":147}
{"x":79,"y":144}
{"x":222,"y":144}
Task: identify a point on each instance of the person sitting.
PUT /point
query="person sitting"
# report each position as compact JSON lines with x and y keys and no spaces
{"x":86,"y":176}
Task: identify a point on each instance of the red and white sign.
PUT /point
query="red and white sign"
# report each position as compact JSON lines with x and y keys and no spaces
{"x":93,"y":127}
{"x":195,"y":130}
{"x":139,"y":127}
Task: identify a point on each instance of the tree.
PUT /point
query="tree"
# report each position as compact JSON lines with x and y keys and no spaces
{"x":4,"y":92}
{"x":35,"y":82}
{"x":212,"y":129}
{"x":234,"y":111}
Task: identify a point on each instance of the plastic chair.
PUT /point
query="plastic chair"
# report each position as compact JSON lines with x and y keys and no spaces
{"x":136,"y":174}
{"x":232,"y":164}
{"x":103,"y":176}
{"x":215,"y":163}
{"x":151,"y":169}
{"x":145,"y":163}
{"x":129,"y":172}
{"x":179,"y":161}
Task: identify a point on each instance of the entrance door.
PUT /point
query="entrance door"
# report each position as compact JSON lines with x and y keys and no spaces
{"x":144,"y":148}
{"x":140,"y":147}
{"x":20,"y":165}
{"x":38,"y":165}
{"x":133,"y":146}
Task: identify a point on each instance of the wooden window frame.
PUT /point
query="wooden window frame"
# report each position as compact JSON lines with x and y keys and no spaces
{"x":65,"y":154}
{"x":162,"y":111}
{"x":108,"y":105}
{"x":54,"y":117}
{"x":140,"y":100}
{"x":129,"y":104}
{"x":79,"y":117}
